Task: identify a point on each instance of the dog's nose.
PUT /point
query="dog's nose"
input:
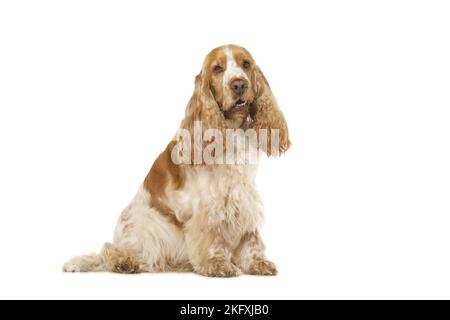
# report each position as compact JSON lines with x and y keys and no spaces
{"x":239,"y":86}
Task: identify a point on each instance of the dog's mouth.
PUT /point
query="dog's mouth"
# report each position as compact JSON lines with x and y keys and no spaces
{"x":239,"y":106}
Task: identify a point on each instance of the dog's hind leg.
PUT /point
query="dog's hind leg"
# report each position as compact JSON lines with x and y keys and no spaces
{"x":120,"y":260}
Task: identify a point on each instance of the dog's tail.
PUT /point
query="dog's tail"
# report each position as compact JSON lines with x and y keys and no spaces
{"x":87,"y":263}
{"x":111,"y":259}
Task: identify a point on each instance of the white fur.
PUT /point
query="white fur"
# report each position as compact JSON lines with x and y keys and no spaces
{"x":222,"y":196}
{"x":233,"y":69}
{"x":152,"y":234}
{"x":202,"y":194}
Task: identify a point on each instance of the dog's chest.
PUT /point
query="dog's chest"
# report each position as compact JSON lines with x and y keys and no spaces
{"x":225,"y":194}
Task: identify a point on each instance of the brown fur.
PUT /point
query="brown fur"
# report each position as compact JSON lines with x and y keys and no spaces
{"x":164,"y":174}
{"x":266,"y":114}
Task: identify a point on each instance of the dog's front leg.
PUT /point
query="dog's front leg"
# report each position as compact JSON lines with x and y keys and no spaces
{"x":208,"y":252}
{"x":249,"y":256}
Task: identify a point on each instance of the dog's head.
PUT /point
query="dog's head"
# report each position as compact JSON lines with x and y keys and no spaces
{"x":231,"y":89}
{"x":230,"y":74}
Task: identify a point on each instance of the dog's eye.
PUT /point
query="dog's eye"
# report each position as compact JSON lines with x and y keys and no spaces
{"x":246,"y":64}
{"x":217,"y":69}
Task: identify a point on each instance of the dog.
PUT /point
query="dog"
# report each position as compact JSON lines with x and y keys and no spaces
{"x":203,"y":215}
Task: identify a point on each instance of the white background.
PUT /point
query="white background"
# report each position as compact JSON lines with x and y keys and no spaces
{"x":92,"y":91}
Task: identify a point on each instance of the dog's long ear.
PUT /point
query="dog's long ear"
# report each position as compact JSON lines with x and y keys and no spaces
{"x":266,"y":114}
{"x":202,"y":106}
{"x":202,"y":113}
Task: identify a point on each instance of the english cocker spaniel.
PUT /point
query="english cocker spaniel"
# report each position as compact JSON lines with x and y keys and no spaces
{"x":198,"y":209}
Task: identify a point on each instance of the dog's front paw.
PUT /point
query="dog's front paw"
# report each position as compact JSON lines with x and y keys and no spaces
{"x":262,"y":267}
{"x":218,"y":268}
{"x":125,"y":265}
